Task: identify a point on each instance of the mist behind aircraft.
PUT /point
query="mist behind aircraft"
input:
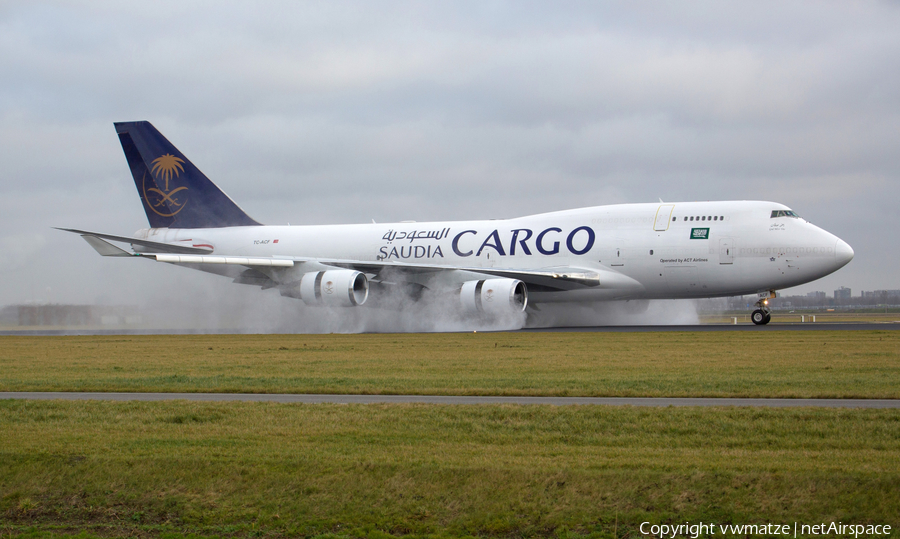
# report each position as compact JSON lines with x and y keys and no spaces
{"x":349,"y":113}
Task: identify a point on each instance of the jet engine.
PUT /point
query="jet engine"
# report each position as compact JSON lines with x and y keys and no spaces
{"x":334,"y":288}
{"x":494,"y":296}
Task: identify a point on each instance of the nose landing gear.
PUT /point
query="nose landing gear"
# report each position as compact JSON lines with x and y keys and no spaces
{"x":761,"y":315}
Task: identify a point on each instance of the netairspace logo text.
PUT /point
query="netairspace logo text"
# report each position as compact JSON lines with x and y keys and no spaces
{"x":837,"y":529}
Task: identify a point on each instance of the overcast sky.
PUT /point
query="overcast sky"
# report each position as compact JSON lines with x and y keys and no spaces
{"x":344,"y":112}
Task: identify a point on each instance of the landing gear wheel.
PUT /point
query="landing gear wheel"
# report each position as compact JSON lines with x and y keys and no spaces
{"x":760,"y":317}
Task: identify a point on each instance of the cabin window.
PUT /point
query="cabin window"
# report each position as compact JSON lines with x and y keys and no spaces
{"x":651,"y":251}
{"x":721,"y":218}
{"x":692,"y":218}
{"x":674,"y":219}
{"x":715,"y":217}
{"x":685,"y":217}
{"x":704,"y":218}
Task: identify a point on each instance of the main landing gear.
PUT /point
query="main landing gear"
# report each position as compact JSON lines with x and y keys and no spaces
{"x":761,"y":315}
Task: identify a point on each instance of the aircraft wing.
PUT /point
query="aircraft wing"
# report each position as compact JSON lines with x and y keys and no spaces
{"x":553,"y":278}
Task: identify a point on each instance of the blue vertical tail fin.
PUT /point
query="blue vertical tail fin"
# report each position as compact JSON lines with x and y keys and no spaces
{"x":174,"y":192}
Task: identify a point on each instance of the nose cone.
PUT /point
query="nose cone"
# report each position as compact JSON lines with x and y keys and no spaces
{"x":843,"y":253}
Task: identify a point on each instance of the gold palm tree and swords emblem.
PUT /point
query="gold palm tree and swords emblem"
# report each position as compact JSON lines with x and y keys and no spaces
{"x":165,"y":203}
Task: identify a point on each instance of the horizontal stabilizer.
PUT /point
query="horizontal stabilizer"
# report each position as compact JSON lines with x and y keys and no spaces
{"x":156,"y":245}
{"x":104,"y":247}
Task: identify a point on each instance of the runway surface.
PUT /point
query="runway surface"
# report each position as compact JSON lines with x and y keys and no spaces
{"x":814,"y":326}
{"x":427,"y":399}
{"x":817,"y":326}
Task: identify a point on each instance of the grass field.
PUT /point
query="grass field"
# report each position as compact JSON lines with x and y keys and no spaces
{"x":840,"y":364}
{"x":191,"y":469}
{"x":173,"y":469}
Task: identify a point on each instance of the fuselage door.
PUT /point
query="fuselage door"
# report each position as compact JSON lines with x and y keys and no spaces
{"x":726,"y":251}
{"x":663,"y":217}
{"x":619,"y":253}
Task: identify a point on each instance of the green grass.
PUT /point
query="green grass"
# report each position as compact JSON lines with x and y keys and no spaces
{"x":264,"y":469}
{"x":192,"y":469}
{"x":849,"y":364}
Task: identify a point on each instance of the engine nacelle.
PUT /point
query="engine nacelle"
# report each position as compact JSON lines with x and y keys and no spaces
{"x":334,"y":288}
{"x":494,"y":296}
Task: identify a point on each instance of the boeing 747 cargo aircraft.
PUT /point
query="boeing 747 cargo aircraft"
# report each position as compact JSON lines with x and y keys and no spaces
{"x":484,"y":268}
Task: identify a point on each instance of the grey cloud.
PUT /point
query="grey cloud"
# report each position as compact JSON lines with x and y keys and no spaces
{"x":329,"y":112}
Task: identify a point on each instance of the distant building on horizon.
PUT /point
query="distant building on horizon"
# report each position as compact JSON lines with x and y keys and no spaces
{"x":879,"y":294}
{"x":843,"y":293}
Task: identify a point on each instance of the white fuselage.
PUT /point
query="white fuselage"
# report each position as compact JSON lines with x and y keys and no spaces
{"x":650,"y":251}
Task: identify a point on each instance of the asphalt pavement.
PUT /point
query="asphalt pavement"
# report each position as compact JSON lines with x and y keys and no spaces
{"x":456,"y":400}
{"x":813,"y":326}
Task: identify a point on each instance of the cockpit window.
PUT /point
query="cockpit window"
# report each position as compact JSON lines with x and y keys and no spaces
{"x":784,"y":213}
